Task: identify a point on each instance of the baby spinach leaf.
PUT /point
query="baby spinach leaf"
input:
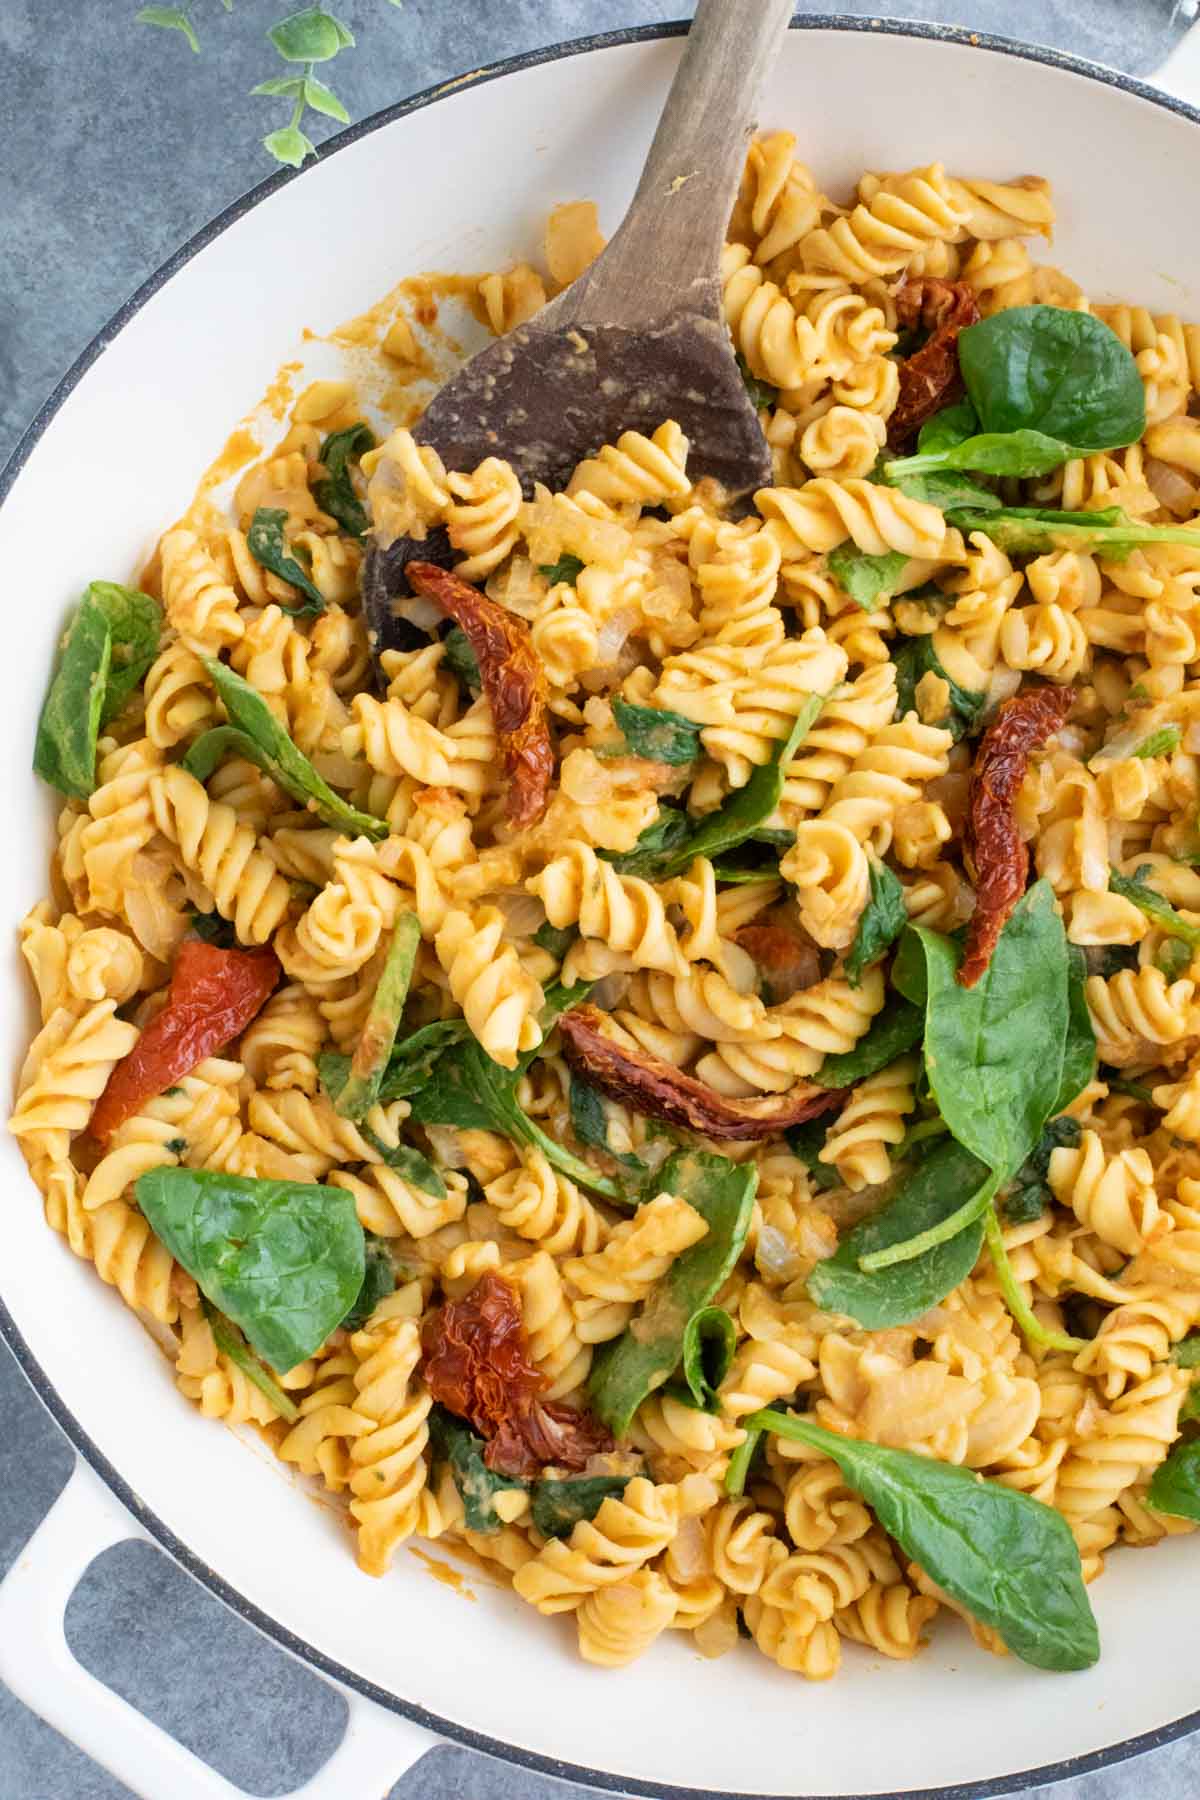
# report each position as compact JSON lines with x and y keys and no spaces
{"x":461,"y":660}
{"x":943,"y":487}
{"x":283,"y":1259}
{"x":360,"y":1091}
{"x":656,"y":734}
{"x":267,"y":544}
{"x":1148,"y":900}
{"x":556,"y":940}
{"x":589,"y":1122}
{"x":408,"y":1066}
{"x":1175,"y":1484}
{"x":111,"y":643}
{"x":379,"y":1280}
{"x":893,"y":1031}
{"x":917,"y":657}
{"x":669,"y":828}
{"x":882,"y":920}
{"x":761,"y":392}
{"x":1009,"y":1559}
{"x":1022,"y":530}
{"x":263,"y":739}
{"x":1030,"y":1194}
{"x":1186,"y":1353}
{"x":806,"y":1143}
{"x":952,"y":425}
{"x":453,"y":1441}
{"x":557,"y":1506}
{"x":568,"y":568}
{"x":743,"y":811}
{"x":988,"y":453}
{"x":867,"y":579}
{"x":709,"y":1340}
{"x":641,"y":1359}
{"x":213,"y":929}
{"x":231,"y":1343}
{"x":467,"y":1089}
{"x":932,"y":1193}
{"x":335,"y":493}
{"x":992,"y":1092}
{"x":1079,"y":1047}
{"x":1064,"y":374}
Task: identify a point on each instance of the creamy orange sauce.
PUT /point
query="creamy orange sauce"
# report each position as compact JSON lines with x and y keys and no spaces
{"x":443,"y":1572}
{"x":279,"y":396}
{"x":241,"y":447}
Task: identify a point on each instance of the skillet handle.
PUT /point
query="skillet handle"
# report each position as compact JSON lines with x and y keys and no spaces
{"x":1180,"y":74}
{"x":37,"y":1665}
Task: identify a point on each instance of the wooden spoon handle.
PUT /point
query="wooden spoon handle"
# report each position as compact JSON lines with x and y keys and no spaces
{"x":666,"y":254}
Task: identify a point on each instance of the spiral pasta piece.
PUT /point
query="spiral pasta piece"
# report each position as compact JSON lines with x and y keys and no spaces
{"x":856,"y":1144}
{"x":625,"y":1534}
{"x":389,"y":1469}
{"x":622,"y":911}
{"x":199,"y":604}
{"x":1112,"y":1195}
{"x":543,"y":1205}
{"x":618,"y":1624}
{"x":390,"y":1206}
{"x":500,"y":1002}
{"x":245,"y":885}
{"x":606,"y":1285}
{"x":904,"y":215}
{"x":825,"y":513}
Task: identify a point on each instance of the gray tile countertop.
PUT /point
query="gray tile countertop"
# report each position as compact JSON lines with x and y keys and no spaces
{"x":115,"y":144}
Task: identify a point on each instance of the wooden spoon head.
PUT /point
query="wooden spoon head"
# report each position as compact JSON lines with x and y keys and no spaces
{"x":545,"y":398}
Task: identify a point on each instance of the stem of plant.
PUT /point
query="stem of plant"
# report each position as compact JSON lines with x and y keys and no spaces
{"x":739,"y":1463}
{"x":1015,"y":1300}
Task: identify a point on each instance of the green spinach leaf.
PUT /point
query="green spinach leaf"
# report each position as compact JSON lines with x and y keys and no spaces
{"x":555,"y":940}
{"x":1148,"y":900}
{"x":589,"y":1122}
{"x":806,"y":1142}
{"x":952,"y":425}
{"x":379,"y":1280}
{"x":642,"y":1358}
{"x":284,"y":1260}
{"x":558,"y":1506}
{"x":360,"y":1091}
{"x":1064,"y":374}
{"x":669,"y":828}
{"x":267,"y":544}
{"x":709,"y":1341}
{"x":255,"y":732}
{"x":335,"y":493}
{"x":867,"y":579}
{"x":1186,"y":1353}
{"x":932,"y":1193}
{"x":761,"y":392}
{"x":112,"y":641}
{"x":882,"y":920}
{"x":1029,"y":1195}
{"x":658,"y":735}
{"x":452,"y":1441}
{"x":1175,"y":1485}
{"x":1009,"y":1559}
{"x":1079,"y":1048}
{"x":1032,"y":530}
{"x":893,"y":1031}
{"x":917,"y":657}
{"x":461,"y":660}
{"x":231,"y":1343}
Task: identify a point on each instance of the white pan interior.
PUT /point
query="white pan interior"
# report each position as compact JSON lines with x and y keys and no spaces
{"x":465,"y":183}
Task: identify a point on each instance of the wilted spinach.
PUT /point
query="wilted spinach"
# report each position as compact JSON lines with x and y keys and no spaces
{"x":867,"y":579}
{"x":880,"y":923}
{"x":111,"y":643}
{"x":891,"y":1032}
{"x":656,"y":734}
{"x":267,"y":544}
{"x":335,"y":493}
{"x":916,"y":658}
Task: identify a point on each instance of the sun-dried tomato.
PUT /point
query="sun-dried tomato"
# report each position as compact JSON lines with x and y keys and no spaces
{"x":477,"y":1364}
{"x":788,"y":961}
{"x":213,"y":996}
{"x":997,"y":855}
{"x":513,"y":680}
{"x":931,"y":376}
{"x":660,"y":1091}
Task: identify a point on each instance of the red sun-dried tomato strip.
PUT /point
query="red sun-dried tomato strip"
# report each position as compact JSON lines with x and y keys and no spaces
{"x":513,"y":680}
{"x":931,"y":376}
{"x":661,"y":1091}
{"x":997,"y":854}
{"x":213,"y":996}
{"x":788,"y":961}
{"x":477,"y":1364}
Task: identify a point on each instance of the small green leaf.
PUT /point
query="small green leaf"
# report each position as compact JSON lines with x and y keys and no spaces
{"x":1079,"y":1050}
{"x":266,"y":542}
{"x":374,"y":1047}
{"x":111,"y":643}
{"x":379,"y":1280}
{"x":867,"y":579}
{"x":916,"y":658}
{"x":952,"y":425}
{"x":289,"y":145}
{"x":461,"y":660}
{"x":1159,"y":743}
{"x":668,"y":829}
{"x":568,"y":568}
{"x":1009,"y":1559}
{"x":256,"y":733}
{"x":709,"y":1341}
{"x":893,"y":1031}
{"x":555,"y":940}
{"x":170,"y":18}
{"x":589,"y":1122}
{"x":335,"y":493}
{"x":1152,"y":903}
{"x":288,"y":87}
{"x":558,"y":1505}
{"x":322,"y":99}
{"x":880,"y":924}
{"x":656,"y":734}
{"x":452,"y":1440}
{"x":310,"y":36}
{"x":761,"y":392}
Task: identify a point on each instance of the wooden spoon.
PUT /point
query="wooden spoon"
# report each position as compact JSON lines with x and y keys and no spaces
{"x":639,"y":337}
